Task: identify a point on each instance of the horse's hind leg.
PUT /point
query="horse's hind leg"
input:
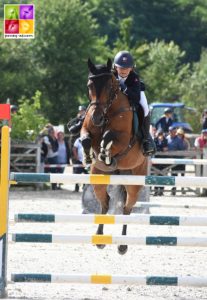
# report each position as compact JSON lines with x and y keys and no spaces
{"x":132,"y":194}
{"x":103,"y":198}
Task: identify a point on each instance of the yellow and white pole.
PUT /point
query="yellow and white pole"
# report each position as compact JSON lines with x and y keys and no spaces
{"x":4,"y":194}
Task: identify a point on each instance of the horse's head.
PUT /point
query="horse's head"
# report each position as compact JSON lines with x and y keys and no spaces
{"x":102,"y":89}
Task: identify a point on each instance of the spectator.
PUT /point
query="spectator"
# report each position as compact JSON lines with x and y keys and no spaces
{"x":201,"y":141}
{"x":77,"y":160}
{"x":44,"y":149}
{"x":63,"y":157}
{"x":181,"y":135}
{"x":165,"y":121}
{"x":14,"y":109}
{"x":161,"y":145}
{"x":186,"y":145}
{"x":75,"y":124}
{"x":204,"y":119}
{"x":175,"y":143}
{"x":201,"y":144}
{"x":52,"y":145}
{"x":153,"y":132}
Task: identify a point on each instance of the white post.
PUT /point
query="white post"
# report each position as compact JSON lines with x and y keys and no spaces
{"x":205,"y":168}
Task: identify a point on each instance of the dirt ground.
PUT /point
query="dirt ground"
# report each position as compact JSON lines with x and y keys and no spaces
{"x":68,"y":258}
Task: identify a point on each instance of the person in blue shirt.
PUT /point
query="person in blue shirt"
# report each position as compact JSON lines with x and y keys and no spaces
{"x":165,"y":121}
{"x":175,"y":143}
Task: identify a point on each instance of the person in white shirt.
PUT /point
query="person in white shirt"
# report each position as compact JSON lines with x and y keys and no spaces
{"x":78,"y":159}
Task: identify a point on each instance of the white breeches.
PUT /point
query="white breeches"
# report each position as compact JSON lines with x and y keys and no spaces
{"x":144,"y":104}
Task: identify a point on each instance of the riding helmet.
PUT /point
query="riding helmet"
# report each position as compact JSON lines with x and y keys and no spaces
{"x":168,"y":110}
{"x":123,"y":59}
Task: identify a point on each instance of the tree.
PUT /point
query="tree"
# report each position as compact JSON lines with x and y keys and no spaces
{"x":65,"y":40}
{"x":181,"y":21}
{"x":195,"y":87}
{"x":164,"y":72}
{"x":28,"y":121}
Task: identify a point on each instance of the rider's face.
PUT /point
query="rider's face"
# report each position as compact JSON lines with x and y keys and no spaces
{"x":123,"y":72}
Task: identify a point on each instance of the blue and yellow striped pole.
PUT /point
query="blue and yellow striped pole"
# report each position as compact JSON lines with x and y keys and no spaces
{"x":4,"y":193}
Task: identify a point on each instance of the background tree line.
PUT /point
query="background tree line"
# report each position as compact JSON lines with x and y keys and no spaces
{"x":167,"y":38}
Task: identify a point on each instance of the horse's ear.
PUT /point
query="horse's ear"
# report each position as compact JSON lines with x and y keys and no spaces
{"x":91,"y":66}
{"x":109,"y":64}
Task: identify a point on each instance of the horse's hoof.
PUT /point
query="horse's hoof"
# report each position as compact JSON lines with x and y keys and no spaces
{"x":122,"y":249}
{"x":100,"y":246}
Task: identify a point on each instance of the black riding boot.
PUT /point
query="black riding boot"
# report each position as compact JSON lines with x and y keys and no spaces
{"x":75,"y":129}
{"x":148,"y":144}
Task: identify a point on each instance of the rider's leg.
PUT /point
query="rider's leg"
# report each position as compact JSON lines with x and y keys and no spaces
{"x":149,"y":147}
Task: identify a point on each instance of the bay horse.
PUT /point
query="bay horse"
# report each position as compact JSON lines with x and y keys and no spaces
{"x":108,"y":140}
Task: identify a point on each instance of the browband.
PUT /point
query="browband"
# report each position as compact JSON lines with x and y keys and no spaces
{"x":99,"y":75}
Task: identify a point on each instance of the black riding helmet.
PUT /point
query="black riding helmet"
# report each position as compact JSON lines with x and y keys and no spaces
{"x":123,"y":59}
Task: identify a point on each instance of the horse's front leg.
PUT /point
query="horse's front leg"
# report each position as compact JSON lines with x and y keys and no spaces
{"x":87,"y":149}
{"x":132,"y":195}
{"x":105,"y":149}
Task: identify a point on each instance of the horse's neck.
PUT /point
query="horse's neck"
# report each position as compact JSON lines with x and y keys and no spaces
{"x":121,"y":100}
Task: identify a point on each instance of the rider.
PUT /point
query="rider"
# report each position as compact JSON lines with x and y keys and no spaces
{"x":134,"y":88}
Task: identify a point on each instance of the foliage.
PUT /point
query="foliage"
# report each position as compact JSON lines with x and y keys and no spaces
{"x":164,"y":72}
{"x":195,"y":87}
{"x":28,"y":122}
{"x":181,"y":21}
{"x":15,"y":59}
{"x":65,"y":40}
{"x":162,"y":35}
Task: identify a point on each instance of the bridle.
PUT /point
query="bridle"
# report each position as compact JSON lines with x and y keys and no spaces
{"x":112,"y":94}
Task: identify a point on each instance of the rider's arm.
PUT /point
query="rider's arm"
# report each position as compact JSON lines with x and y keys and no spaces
{"x":134,"y":88}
